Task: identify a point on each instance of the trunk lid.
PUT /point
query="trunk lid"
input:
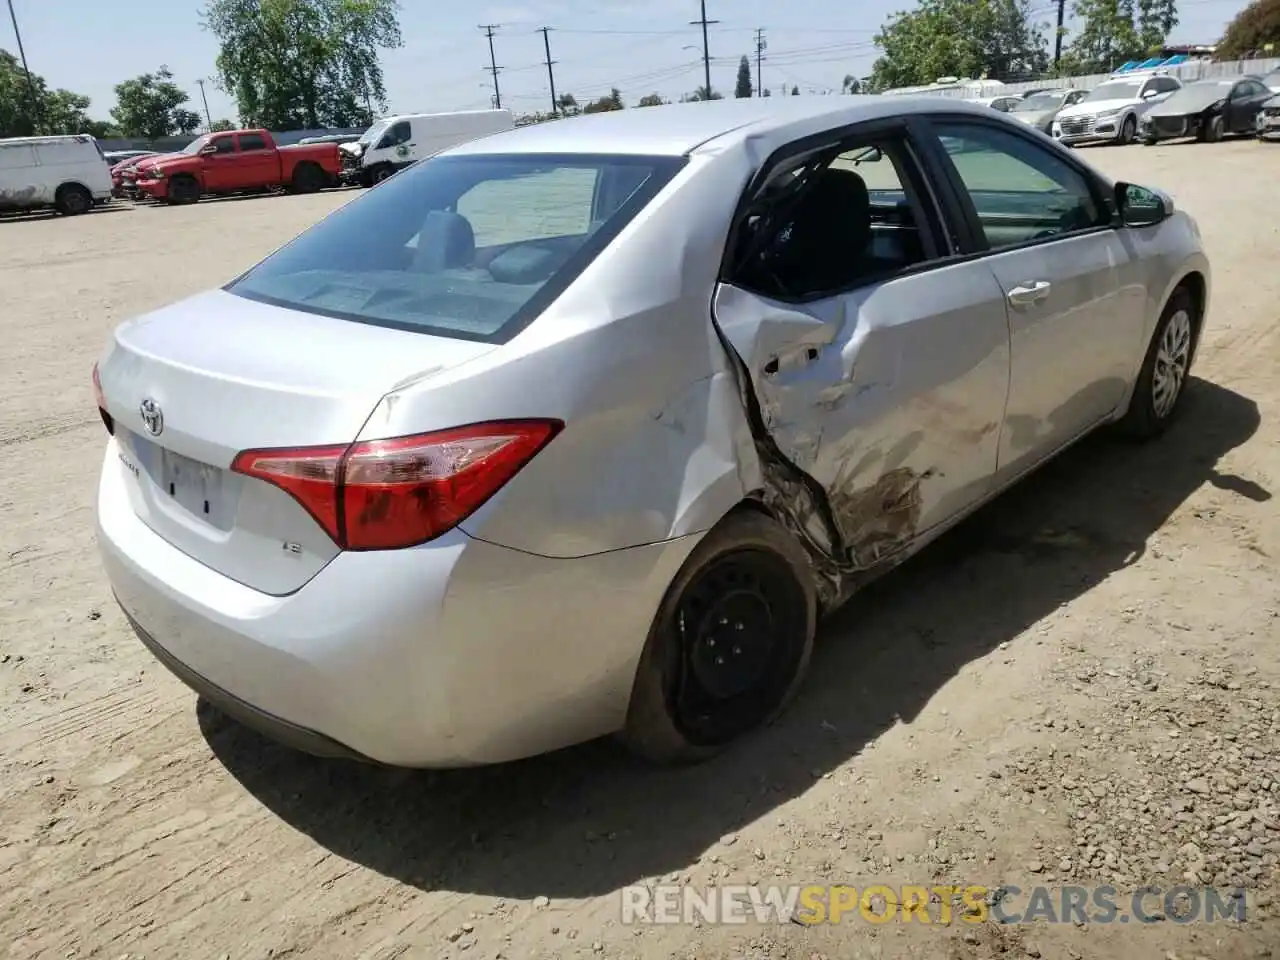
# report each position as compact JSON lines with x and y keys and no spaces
{"x":193,"y":384}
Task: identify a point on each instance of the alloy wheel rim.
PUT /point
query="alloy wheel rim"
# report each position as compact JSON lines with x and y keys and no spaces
{"x":1172,"y":359}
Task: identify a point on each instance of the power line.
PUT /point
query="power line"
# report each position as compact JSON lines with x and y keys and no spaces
{"x":760,"y":45}
{"x":551,"y":76}
{"x":706,"y":50}
{"x":489,"y":29}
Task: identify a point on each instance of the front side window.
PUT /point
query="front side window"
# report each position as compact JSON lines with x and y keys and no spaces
{"x":465,"y":246}
{"x":398,"y":134}
{"x":1020,"y":190}
{"x":224,"y":145}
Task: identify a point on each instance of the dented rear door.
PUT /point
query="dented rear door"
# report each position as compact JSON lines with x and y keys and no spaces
{"x":890,"y":396}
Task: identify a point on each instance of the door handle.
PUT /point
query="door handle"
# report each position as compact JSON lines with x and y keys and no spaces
{"x":1029,"y":293}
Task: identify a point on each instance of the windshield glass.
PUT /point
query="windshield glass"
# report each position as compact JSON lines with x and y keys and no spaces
{"x":194,"y":146}
{"x":373,"y":133}
{"x":469,"y":246}
{"x":1127,"y":90}
{"x":1041,"y":101}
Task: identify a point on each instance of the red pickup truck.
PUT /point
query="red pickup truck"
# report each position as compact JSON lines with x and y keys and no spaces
{"x":238,"y":161}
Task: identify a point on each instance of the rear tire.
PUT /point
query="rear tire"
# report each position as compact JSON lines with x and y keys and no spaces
{"x":308,"y":178}
{"x":1163,"y":377}
{"x":72,"y":200}
{"x":183,"y":189}
{"x":729,"y":646}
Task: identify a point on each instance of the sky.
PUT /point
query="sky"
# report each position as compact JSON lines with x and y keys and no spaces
{"x":639,"y":46}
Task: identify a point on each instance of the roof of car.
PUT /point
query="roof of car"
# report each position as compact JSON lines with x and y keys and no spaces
{"x":678,"y":129}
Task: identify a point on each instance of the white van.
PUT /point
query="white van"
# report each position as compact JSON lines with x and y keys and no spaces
{"x":67,"y":173}
{"x":393,"y":143}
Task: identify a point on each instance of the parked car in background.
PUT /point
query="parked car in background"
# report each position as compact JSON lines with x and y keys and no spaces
{"x":238,"y":161}
{"x":1039,"y":110}
{"x":394,"y":143}
{"x":338,"y":138}
{"x":124,"y":175}
{"x":67,"y":173}
{"x":1111,"y":111}
{"x":1268,"y":124}
{"x":1004,"y":104}
{"x":579,"y":428}
{"x":1207,"y":110}
{"x":117,"y":156}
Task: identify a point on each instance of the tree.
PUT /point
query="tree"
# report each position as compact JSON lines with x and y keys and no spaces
{"x":1156,"y":20}
{"x":303,"y":64}
{"x":1254,"y":27}
{"x":1107,"y":37}
{"x":795,"y":91}
{"x":651,"y":100}
{"x":962,"y":38}
{"x":219,"y":126}
{"x":743,"y":89}
{"x":568,"y":104}
{"x":186,"y":122}
{"x":148,"y":105}
{"x":612,"y":101}
{"x":53,"y":111}
{"x":851,"y":85}
{"x":702,"y":93}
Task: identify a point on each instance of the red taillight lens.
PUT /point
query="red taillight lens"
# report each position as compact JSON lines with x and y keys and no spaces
{"x":389,"y":494}
{"x":100,"y":399}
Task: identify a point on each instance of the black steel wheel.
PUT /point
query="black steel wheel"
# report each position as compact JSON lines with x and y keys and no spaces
{"x":729,"y":646}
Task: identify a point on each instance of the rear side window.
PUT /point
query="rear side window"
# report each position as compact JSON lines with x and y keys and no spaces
{"x":469,"y":246}
{"x":17,"y":157}
{"x":252,"y":141}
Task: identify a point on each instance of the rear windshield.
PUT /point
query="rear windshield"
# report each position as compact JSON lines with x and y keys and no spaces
{"x":469,"y":246}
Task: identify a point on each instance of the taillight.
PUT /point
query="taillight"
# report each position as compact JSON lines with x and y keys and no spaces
{"x":100,"y":399}
{"x":390,"y":494}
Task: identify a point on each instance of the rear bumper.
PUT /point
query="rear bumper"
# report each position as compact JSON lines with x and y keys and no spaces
{"x":455,"y":653}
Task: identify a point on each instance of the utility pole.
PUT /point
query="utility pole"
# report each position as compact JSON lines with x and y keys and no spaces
{"x":208,"y":118}
{"x":706,"y":50}
{"x":551,"y":75}
{"x":1057,"y":40}
{"x":488,"y":29}
{"x":31,"y":87}
{"x":760,"y":45}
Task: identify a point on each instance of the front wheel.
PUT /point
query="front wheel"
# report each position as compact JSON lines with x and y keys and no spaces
{"x":183,"y":190}
{"x":1163,"y":376}
{"x":1128,"y":130}
{"x":1215,"y":129}
{"x":729,"y":646}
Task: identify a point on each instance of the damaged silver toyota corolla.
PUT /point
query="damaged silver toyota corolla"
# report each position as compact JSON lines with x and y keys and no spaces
{"x":578,"y":429}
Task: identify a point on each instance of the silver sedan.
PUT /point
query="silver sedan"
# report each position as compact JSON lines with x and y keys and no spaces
{"x":580,"y":429}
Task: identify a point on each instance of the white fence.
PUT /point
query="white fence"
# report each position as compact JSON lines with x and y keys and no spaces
{"x":1186,"y":72}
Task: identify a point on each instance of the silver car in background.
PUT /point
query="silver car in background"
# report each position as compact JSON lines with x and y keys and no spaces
{"x":579,"y":429}
{"x":1039,"y":109}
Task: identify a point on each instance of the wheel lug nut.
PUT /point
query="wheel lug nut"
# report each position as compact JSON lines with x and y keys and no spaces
{"x":737,"y":626}
{"x":736,"y":651}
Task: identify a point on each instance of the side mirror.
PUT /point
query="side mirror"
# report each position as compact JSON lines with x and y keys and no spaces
{"x":208,"y":151}
{"x":1142,"y":206}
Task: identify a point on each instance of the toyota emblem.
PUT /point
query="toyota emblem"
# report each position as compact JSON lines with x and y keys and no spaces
{"x":152,"y":416}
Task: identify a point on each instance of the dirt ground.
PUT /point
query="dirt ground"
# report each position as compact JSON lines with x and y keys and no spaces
{"x":1081,"y":685}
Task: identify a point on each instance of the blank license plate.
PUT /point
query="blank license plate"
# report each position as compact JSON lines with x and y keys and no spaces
{"x":193,"y":485}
